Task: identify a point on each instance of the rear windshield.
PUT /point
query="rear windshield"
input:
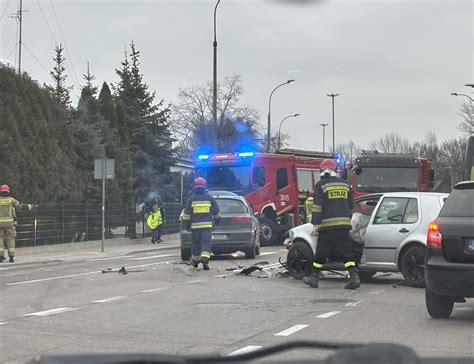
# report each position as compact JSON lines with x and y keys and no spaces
{"x":228,"y":206}
{"x":459,"y":203}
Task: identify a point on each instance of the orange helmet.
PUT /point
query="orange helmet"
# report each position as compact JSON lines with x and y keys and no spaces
{"x":5,"y":188}
{"x":200,"y":182}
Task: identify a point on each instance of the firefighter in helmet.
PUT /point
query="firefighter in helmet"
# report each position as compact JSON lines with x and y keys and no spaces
{"x":309,"y":206}
{"x":7,"y":222}
{"x":331,"y":218}
{"x":200,"y":215}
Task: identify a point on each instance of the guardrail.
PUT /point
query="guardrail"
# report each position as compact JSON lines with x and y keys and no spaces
{"x":65,"y":223}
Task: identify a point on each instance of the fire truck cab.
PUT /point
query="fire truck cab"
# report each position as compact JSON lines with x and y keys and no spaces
{"x":274,"y":184}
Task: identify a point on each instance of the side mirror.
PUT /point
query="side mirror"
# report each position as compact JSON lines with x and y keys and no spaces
{"x":358,"y":171}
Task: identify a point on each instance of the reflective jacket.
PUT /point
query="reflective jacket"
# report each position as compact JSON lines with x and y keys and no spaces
{"x":200,"y":212}
{"x":154,"y":219}
{"x":7,"y":209}
{"x":332,"y":208}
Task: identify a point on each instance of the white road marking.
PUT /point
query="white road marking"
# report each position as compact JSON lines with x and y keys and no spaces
{"x":353,"y":304}
{"x":52,"y":311}
{"x":245,"y":350}
{"x":110,"y":299}
{"x":328,"y":314}
{"x":291,"y":330}
{"x":464,"y":308}
{"x":2,"y":323}
{"x":110,"y":258}
{"x":154,"y":290}
{"x":83,"y":274}
{"x":267,"y":253}
{"x":378,"y":291}
{"x":195,"y":281}
{"x":154,"y":256}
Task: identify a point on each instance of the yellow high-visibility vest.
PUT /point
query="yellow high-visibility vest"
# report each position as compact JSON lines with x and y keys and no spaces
{"x":154,"y":220}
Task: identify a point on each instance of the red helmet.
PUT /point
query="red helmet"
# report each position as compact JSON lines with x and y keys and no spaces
{"x":5,"y":188}
{"x":311,"y":193}
{"x":200,"y":182}
{"x":328,"y":164}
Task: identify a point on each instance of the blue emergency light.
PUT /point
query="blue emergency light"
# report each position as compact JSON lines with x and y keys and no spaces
{"x":246,"y":154}
{"x":203,"y":157}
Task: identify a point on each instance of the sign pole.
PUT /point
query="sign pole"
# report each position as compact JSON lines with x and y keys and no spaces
{"x":103,"y":203}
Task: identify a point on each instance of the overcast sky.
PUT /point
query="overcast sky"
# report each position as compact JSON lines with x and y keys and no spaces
{"x":393,"y":62}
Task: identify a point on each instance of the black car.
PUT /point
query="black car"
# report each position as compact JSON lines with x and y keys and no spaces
{"x":449,"y":268}
{"x":238,"y":229}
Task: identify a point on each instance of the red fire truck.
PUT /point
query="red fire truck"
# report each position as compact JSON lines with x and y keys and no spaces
{"x":374,"y":172}
{"x":275,"y":185}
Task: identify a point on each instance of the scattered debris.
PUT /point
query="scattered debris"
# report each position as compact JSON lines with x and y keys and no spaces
{"x":261,"y":263}
{"x":122,"y":271}
{"x":250,"y":270}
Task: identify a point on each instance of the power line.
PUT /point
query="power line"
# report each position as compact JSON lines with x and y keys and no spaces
{"x":74,"y":76}
{"x":47,"y":23}
{"x":4,"y":10}
{"x":37,"y":60}
{"x":13,"y":50}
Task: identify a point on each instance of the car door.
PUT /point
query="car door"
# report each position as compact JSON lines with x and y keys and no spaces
{"x":390,"y":225}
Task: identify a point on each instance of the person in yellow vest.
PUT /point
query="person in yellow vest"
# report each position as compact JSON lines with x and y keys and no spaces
{"x":155,"y":220}
{"x":7,"y":222}
{"x":309,"y":206}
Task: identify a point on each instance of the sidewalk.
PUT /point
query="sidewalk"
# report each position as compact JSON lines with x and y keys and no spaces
{"x":92,"y":249}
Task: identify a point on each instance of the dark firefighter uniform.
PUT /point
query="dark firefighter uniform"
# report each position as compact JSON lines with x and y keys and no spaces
{"x":200,"y":214}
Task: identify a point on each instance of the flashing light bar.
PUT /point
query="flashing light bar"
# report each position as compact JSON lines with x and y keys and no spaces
{"x":246,"y":154}
{"x":203,"y":157}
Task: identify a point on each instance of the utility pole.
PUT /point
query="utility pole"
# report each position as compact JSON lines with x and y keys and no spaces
{"x":324,"y":135}
{"x":20,"y":18}
{"x":333,"y":123}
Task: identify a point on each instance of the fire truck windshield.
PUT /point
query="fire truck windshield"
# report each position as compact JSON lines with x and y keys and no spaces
{"x":230,"y":178}
{"x":383,"y":179}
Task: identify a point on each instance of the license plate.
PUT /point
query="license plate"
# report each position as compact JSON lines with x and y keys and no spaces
{"x":470,"y":245}
{"x":219,"y":237}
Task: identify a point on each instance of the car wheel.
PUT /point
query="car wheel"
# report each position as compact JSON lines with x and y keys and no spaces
{"x":185,"y":254}
{"x":250,"y":252}
{"x":365,"y":275}
{"x":438,"y":306}
{"x":300,"y":260}
{"x":267,"y":231}
{"x":412,"y":266}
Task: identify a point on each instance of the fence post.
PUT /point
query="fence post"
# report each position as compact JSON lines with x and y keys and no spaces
{"x":87,"y":221}
{"x":35,"y":224}
{"x":62,"y":226}
{"x":126,"y":220}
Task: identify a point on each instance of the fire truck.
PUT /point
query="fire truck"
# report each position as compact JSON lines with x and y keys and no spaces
{"x":274,"y":184}
{"x":374,"y":172}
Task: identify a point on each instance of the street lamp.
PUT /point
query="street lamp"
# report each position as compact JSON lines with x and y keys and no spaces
{"x":469,"y":85}
{"x":458,"y":94}
{"x":279,"y":129}
{"x":214,"y":87}
{"x":269,"y":112}
{"x":333,"y":124}
{"x":324,"y":135}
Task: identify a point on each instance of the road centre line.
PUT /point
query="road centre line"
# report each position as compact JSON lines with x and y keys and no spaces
{"x":378,"y":291}
{"x":154,"y":256}
{"x":291,"y":330}
{"x":52,"y":311}
{"x":353,"y":304}
{"x":110,"y":299}
{"x":328,"y":314}
{"x":195,"y":281}
{"x":154,"y":290}
{"x":267,"y":253}
{"x":244,"y":350}
{"x":86,"y":273}
{"x":110,"y":258}
{"x":2,"y":323}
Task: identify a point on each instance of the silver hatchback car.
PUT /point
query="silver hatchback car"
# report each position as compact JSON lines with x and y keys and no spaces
{"x":395,"y":236}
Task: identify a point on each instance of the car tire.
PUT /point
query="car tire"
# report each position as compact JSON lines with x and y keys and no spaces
{"x":365,"y":275}
{"x":438,"y":307}
{"x":412,"y":266}
{"x":185,"y":254}
{"x":250,"y":252}
{"x":299,"y":260}
{"x":267,"y":231}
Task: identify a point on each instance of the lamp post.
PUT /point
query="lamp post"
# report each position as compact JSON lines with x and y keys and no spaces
{"x":279,"y":129}
{"x":458,"y":94}
{"x":324,"y":135}
{"x":269,"y":111}
{"x":333,"y":96}
{"x":214,"y":86}
{"x":469,"y":85}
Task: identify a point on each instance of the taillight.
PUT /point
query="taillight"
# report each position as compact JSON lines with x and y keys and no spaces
{"x":241,"y":220}
{"x":435,"y":239}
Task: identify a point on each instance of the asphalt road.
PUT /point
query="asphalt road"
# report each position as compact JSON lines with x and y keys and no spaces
{"x":166,"y":306}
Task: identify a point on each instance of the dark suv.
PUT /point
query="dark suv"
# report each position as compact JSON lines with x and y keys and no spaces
{"x":449,"y":269}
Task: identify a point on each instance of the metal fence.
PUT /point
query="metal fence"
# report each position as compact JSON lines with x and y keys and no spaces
{"x":66,"y":223}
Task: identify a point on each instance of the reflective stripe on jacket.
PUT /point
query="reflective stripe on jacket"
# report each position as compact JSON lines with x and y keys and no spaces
{"x":333,"y":204}
{"x":200,"y":211}
{"x":7,"y":209}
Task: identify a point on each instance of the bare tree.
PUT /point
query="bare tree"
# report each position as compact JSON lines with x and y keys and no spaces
{"x":391,"y":143}
{"x":467,"y":116}
{"x":348,"y":150}
{"x":192,"y":123}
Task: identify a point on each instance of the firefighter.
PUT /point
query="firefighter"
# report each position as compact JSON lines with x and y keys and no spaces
{"x":7,"y":221}
{"x":200,"y":215}
{"x":331,"y":218}
{"x":309,"y":206}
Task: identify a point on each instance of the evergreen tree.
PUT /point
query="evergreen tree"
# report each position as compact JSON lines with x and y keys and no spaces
{"x":59,"y":90}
